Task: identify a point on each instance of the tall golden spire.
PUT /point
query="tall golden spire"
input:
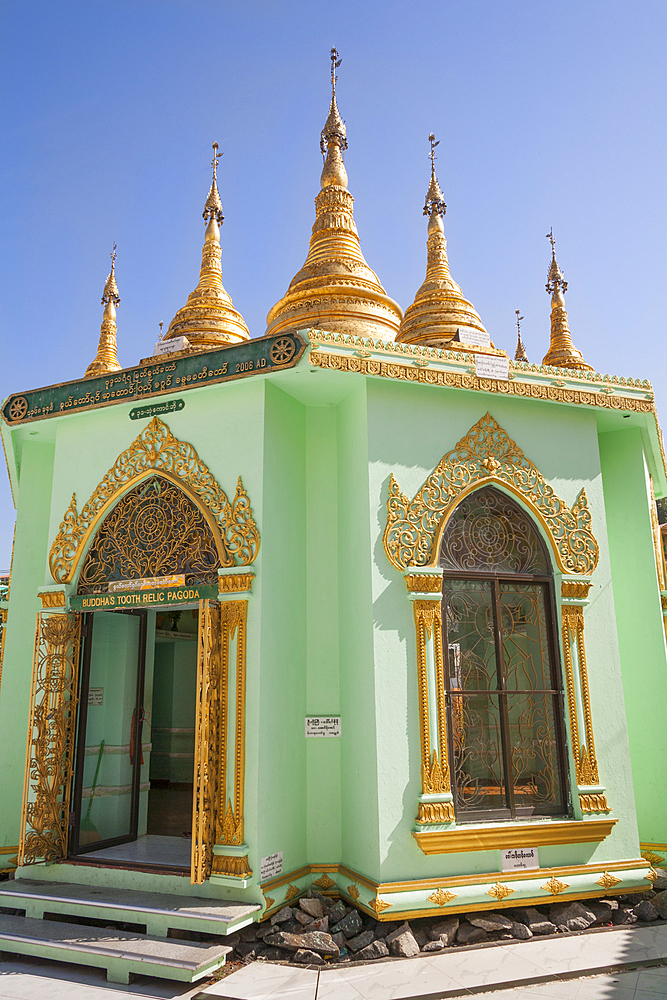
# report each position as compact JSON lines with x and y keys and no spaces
{"x":520,"y":353}
{"x":209,"y":319}
{"x":439,"y":307}
{"x":106,"y":359}
{"x":335,"y":289}
{"x":562,"y":353}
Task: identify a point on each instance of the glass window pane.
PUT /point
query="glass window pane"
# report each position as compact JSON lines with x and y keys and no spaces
{"x":470,"y":635}
{"x":489,"y":532}
{"x":477,"y":753}
{"x":535,"y":763}
{"x":525,"y":639}
{"x":107,"y":790}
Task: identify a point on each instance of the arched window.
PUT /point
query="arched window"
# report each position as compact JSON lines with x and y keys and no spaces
{"x":155,"y":530}
{"x":504,"y":693}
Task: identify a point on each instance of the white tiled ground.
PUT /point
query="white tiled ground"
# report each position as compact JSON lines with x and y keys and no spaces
{"x":452,"y":974}
{"x":150,"y":849}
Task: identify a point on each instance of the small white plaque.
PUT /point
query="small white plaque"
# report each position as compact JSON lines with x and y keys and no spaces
{"x":492,"y":366}
{"x":468,"y":335}
{"x":519,"y":858}
{"x":171,"y":345}
{"x":271,"y":866}
{"x":320,"y":725}
{"x":95,"y":696}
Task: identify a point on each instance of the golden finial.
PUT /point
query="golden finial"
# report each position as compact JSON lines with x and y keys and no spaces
{"x":160,"y":324}
{"x":520,"y":353}
{"x":213,"y":206}
{"x":562,"y":353}
{"x":106,"y":359}
{"x":435,"y":203}
{"x":333,"y":138}
{"x":209,"y":319}
{"x":110,"y":293}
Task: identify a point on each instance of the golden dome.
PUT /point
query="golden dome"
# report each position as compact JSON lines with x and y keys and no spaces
{"x":439,"y":307}
{"x":335,"y":289}
{"x":106,"y":359}
{"x":209,"y":319}
{"x":562,"y":353}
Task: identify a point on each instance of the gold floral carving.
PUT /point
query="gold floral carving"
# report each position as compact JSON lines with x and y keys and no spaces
{"x":157,"y":451}
{"x":460,"y":380}
{"x":500,"y":891}
{"x":233,"y":624}
{"x":435,"y":812}
{"x":292,"y":891}
{"x":210,"y":709}
{"x":585,"y":762}
{"x":267,"y":900}
{"x":651,"y":875}
{"x":53,"y":599}
{"x":486,"y":453}
{"x":422,"y":583}
{"x":555,"y":886}
{"x":224,"y":864}
{"x":353,"y":891}
{"x":324,"y":882}
{"x":235,"y":583}
{"x":608,"y":881}
{"x":51,"y":738}
{"x":428,"y":624}
{"x":653,"y":859}
{"x":379,"y":905}
{"x":442,"y":896}
{"x":575,"y":589}
{"x":593,"y":803}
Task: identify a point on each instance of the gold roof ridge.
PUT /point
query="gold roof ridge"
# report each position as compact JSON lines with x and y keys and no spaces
{"x":208,"y":319}
{"x":335,"y":288}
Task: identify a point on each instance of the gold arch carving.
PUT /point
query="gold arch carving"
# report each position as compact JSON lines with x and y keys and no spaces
{"x":157,"y":451}
{"x":485,"y":455}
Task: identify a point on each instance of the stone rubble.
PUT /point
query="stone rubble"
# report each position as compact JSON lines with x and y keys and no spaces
{"x":318,"y":929}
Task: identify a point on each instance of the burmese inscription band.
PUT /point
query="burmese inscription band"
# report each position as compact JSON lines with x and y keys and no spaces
{"x":256,"y":357}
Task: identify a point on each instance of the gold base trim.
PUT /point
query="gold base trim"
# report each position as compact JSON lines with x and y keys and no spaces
{"x":463,"y":840}
{"x":594,"y":803}
{"x":225,"y":864}
{"x":435,"y":812}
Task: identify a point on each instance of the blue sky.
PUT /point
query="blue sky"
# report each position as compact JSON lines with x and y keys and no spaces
{"x":548,"y":114}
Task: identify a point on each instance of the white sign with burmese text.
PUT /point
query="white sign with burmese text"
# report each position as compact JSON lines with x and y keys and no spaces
{"x":478,"y":338}
{"x":271,"y":866}
{"x":319,"y":725}
{"x":491,"y":366}
{"x":518,"y":858}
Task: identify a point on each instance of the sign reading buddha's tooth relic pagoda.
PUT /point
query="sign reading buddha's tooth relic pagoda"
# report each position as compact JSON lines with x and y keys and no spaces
{"x":255,"y":357}
{"x":455,"y":551}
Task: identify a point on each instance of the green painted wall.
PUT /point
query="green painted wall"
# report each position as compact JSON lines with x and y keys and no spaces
{"x":641,"y":638}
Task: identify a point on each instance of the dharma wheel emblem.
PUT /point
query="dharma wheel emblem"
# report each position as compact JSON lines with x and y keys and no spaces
{"x":19,"y":407}
{"x":282,"y":351}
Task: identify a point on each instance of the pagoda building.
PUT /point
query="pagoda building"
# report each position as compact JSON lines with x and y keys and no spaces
{"x":357,"y":604}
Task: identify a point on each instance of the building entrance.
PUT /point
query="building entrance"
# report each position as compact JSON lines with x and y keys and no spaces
{"x":134,"y":757}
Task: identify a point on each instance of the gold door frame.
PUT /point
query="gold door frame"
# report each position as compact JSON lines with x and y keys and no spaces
{"x":51,"y":738}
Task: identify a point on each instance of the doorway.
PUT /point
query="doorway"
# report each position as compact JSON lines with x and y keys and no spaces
{"x":134,"y":758}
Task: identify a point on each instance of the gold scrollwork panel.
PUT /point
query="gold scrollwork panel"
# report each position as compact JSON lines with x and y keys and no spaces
{"x":230,"y":815}
{"x":435,"y":765}
{"x":51,"y":737}
{"x":157,"y":450}
{"x":414,"y":527}
{"x":583,"y":743}
{"x":210,"y":710}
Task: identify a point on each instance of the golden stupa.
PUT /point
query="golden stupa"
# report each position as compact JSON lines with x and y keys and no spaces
{"x":562,"y":353}
{"x":208,"y":319}
{"x":106,"y":359}
{"x":440,"y":307}
{"x":335,"y":289}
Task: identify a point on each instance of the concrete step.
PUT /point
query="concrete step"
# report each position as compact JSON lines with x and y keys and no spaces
{"x":159,"y":912}
{"x":122,"y":954}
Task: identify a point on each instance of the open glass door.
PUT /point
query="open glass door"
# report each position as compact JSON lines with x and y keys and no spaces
{"x":107,"y":785}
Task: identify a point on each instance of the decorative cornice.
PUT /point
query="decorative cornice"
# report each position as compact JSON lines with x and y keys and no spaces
{"x":156,"y":450}
{"x":485,"y":454}
{"x":463,"y":839}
